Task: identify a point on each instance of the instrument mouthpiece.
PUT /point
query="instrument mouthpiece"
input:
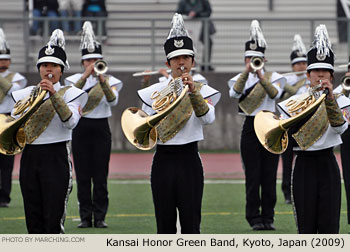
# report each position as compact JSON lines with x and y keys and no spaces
{"x":182,"y":68}
{"x":50,"y":76}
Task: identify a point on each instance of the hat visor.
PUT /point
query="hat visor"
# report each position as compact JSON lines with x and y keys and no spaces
{"x":320,"y":66}
{"x":253,"y":54}
{"x":180,"y":52}
{"x":92,"y":56}
{"x":5,"y":56}
{"x":299,"y":59}
{"x":50,"y":59}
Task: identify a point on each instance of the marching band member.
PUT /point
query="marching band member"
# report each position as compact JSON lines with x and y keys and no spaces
{"x":345,"y":146}
{"x":177,"y":179}
{"x":45,"y":167}
{"x":295,"y":84}
{"x":257,"y":91}
{"x":316,"y":187}
{"x":9,"y":82}
{"x":91,"y":144}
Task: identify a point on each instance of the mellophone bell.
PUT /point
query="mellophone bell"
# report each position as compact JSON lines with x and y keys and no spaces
{"x":317,"y":122}
{"x":42,"y":120}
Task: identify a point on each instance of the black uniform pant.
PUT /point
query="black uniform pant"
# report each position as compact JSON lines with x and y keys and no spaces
{"x":316,"y":191}
{"x":345,"y":160}
{"x":6,"y":168}
{"x":260,"y":168}
{"x":91,"y":146}
{"x":46,"y":181}
{"x":177,"y":182}
{"x":287,"y":165}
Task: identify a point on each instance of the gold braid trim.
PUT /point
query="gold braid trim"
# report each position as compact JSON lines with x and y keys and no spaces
{"x":313,"y":129}
{"x":239,"y":85}
{"x":110,"y":96}
{"x":199,"y":105}
{"x":269,"y":88}
{"x":80,"y":83}
{"x":5,"y":85}
{"x":61,"y":107}
{"x":41,"y":118}
{"x":292,"y":90}
{"x":335,"y":115}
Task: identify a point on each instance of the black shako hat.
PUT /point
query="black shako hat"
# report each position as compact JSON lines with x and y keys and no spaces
{"x":54,"y":51}
{"x":298,"y":53}
{"x":178,"y":41}
{"x":89,"y":46}
{"x":321,"y":54}
{"x":256,"y":45}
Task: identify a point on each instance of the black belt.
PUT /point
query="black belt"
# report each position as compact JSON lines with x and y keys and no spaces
{"x":315,"y":153}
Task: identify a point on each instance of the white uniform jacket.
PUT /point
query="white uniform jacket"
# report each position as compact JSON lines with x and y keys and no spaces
{"x":193,"y":130}
{"x":277,"y":81}
{"x":58,"y":131}
{"x":103,"y":110}
{"x":332,"y":135}
{"x":18,"y":82}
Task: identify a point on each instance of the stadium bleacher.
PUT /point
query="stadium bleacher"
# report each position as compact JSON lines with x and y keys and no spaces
{"x":128,"y":45}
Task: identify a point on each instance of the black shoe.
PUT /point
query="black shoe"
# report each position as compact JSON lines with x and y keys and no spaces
{"x":258,"y":226}
{"x":100,"y":224}
{"x":269,"y":226}
{"x":85,"y":224}
{"x":4,"y":204}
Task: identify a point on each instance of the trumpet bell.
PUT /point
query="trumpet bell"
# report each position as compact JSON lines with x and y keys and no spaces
{"x":256,"y":63}
{"x":100,"y":67}
{"x":345,"y":82}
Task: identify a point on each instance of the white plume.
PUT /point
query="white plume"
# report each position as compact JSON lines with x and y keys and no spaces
{"x":88,"y":39}
{"x":57,"y":39}
{"x":3,"y":44}
{"x":256,"y":34}
{"x":177,"y":27}
{"x":298,"y":44}
{"x":322,"y":42}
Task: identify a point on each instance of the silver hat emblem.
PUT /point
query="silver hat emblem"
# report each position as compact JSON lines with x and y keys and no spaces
{"x":49,"y":51}
{"x":91,"y":48}
{"x":299,"y":54}
{"x":178,"y":43}
{"x":320,"y":57}
{"x":253,"y":46}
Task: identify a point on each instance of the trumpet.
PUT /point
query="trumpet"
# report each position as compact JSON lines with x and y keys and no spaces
{"x":345,"y":83}
{"x":100,"y":67}
{"x":256,"y":63}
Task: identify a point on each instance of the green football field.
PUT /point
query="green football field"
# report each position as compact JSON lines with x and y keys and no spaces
{"x":131,"y":210}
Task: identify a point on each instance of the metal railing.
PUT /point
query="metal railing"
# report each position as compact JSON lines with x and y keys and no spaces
{"x":282,"y":31}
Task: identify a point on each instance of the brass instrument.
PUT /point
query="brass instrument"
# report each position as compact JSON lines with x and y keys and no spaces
{"x":100,"y":67}
{"x":345,"y":83}
{"x":12,"y":136}
{"x":140,"y":128}
{"x":272,"y":132}
{"x":256,"y":63}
